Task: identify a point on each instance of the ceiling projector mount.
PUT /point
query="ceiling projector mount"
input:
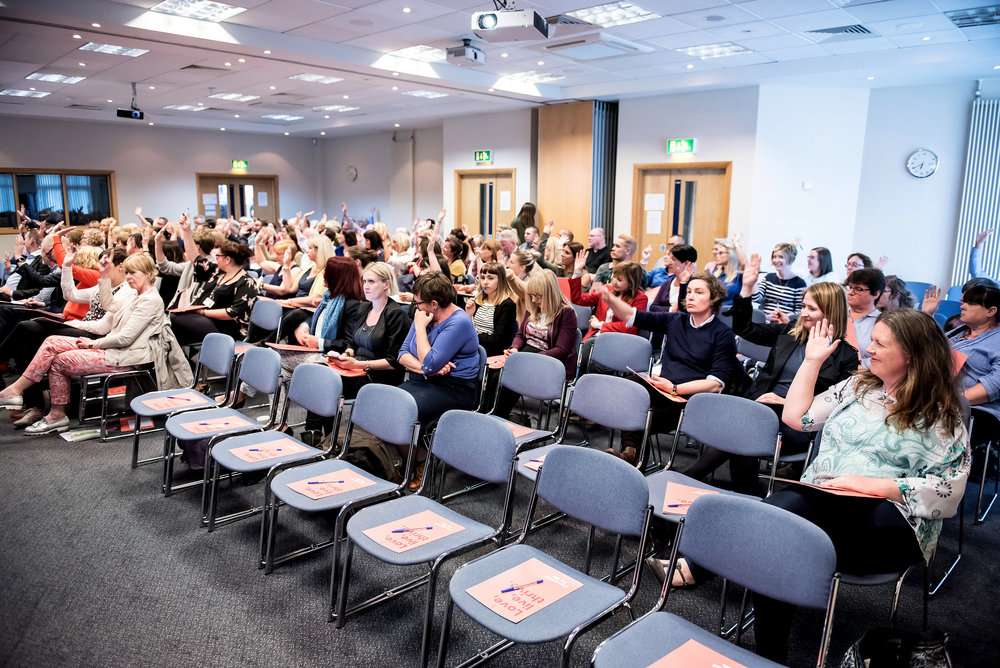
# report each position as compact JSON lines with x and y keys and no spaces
{"x":509,"y":24}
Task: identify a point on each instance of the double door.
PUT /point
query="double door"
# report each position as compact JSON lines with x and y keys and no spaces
{"x":238,"y":195}
{"x":485,"y":200}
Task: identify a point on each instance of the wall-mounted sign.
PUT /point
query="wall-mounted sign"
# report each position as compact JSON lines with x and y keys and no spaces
{"x":484,"y":157}
{"x":240,"y":164}
{"x":680,"y":146}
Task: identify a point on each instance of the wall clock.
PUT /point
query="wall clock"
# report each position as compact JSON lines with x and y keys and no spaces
{"x":922,"y":163}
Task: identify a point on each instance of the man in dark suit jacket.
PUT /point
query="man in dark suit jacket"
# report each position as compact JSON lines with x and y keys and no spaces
{"x":598,"y":253}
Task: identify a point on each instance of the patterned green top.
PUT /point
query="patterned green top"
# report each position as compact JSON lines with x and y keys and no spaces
{"x":930,"y":466}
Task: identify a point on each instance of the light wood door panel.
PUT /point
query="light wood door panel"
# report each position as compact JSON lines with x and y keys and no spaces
{"x":485,"y":199}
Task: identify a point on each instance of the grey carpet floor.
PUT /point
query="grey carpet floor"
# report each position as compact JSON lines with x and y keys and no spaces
{"x":99,"y":569}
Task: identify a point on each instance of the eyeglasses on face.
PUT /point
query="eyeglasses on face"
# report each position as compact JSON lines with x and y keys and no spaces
{"x":857,"y":289}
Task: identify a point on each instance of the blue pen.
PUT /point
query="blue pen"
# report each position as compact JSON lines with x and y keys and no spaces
{"x":321,"y":482}
{"x":540,"y":461}
{"x":516,"y":587}
{"x":678,"y":505}
{"x":414,"y":529}
{"x":181,"y":398}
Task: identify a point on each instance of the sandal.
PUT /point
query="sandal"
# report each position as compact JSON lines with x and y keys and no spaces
{"x":659,"y":569}
{"x":628,"y":454}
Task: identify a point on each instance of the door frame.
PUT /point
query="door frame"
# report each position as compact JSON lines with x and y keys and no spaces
{"x":463,"y":173}
{"x":231,"y":175}
{"x":639,"y":170}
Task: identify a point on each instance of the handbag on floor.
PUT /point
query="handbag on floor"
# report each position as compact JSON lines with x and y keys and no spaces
{"x":883,"y":647}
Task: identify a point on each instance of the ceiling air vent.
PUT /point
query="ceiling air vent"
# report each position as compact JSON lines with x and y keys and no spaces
{"x":562,"y":25}
{"x":978,"y":16}
{"x":595,"y":47}
{"x":203,"y":68}
{"x":85,"y":107}
{"x":838,"y":34}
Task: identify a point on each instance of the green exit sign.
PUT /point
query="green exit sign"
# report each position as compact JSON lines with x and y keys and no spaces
{"x":680,"y":146}
{"x":240,"y":164}
{"x":484,"y":156}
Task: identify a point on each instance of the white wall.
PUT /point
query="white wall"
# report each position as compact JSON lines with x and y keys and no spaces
{"x":508,"y":135}
{"x":807,"y":169}
{"x":155,"y":167}
{"x":911,"y":220}
{"x":723,"y":122}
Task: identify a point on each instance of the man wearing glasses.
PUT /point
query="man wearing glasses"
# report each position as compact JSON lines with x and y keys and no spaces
{"x":864,"y":287}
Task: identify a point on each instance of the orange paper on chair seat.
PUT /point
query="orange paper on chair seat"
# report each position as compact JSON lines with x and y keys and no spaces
{"x":564,"y":286}
{"x":692,"y":654}
{"x":957,"y":362}
{"x":518,"y":429}
{"x":496,"y":361}
{"x":678,"y":497}
{"x":535,"y":464}
{"x":839,"y":491}
{"x":645,"y":377}
{"x":268,"y":450}
{"x":179,"y":400}
{"x":522,"y":591}
{"x":329,"y":484}
{"x":413,"y":531}
{"x":216,"y":424}
{"x":346,"y":373}
{"x":292,"y":347}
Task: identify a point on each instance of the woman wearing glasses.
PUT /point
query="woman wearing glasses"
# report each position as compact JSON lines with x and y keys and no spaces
{"x":494,"y":310}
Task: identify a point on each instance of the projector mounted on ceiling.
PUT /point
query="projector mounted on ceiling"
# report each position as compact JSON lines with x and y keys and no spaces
{"x":509,"y":25}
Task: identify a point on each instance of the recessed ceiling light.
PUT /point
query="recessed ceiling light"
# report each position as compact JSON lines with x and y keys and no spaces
{"x":242,"y":60}
{"x":152,"y":88}
{"x":429,"y":94}
{"x":504,"y":54}
{"x":228,"y":64}
{"x":395,"y":125}
{"x":870,"y":78}
{"x":422,"y":53}
{"x":113,"y":49}
{"x":205,"y":10}
{"x":96,"y":25}
{"x":32,"y":88}
{"x":706,"y":51}
{"x":54,"y":78}
{"x":395,"y":87}
{"x":347,"y":97}
{"x":234,"y":97}
{"x":110,"y":100}
{"x":323,"y":134}
{"x":315,"y":78}
{"x":541,"y":62}
{"x":185,"y":107}
{"x":286,"y":134}
{"x":77,"y":36}
{"x":491,"y":90}
{"x":151,"y":123}
{"x":282,"y":117}
{"x":335,"y":107}
{"x":395,"y":74}
{"x":236,"y":115}
{"x":996,"y":67}
{"x":82,"y":64}
{"x":326,"y":116}
{"x":274,"y":88}
{"x":222,"y":129}
{"x":613,"y":14}
{"x":690,"y":67}
{"x":14,"y":92}
{"x":534,"y":77}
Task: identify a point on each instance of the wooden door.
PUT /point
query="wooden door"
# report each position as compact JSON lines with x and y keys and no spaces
{"x":238,"y":195}
{"x":485,"y":200}
{"x":690,"y":199}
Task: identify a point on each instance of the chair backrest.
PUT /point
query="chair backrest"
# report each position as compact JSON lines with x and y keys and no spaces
{"x":595,"y":487}
{"x":954,"y":293}
{"x":917,"y":289}
{"x":752,"y":350}
{"x":610,"y":401}
{"x":385,"y":412}
{"x":757,"y":316}
{"x":583,"y":314}
{"x":217,"y":353}
{"x":317,"y":388}
{"x":476,"y":444}
{"x":762,"y":547}
{"x":732,"y":424}
{"x":532,"y":375}
{"x":948,"y":308}
{"x":266,"y":314}
{"x":481,"y":378}
{"x":619,"y":351}
{"x":261,"y":369}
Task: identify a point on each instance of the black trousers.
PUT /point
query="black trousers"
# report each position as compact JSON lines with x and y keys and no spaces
{"x":193,"y":327}
{"x":869,"y":535}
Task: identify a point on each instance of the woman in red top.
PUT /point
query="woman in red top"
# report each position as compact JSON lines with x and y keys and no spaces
{"x":626,"y":284}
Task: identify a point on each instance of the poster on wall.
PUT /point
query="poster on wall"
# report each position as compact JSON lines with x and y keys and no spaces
{"x":653,"y":222}
{"x":655,"y":202}
{"x":505,"y":200}
{"x":209,"y":199}
{"x":261,"y":198}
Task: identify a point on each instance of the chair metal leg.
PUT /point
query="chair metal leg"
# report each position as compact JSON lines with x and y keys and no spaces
{"x":272,"y":530}
{"x":208,"y":481}
{"x":980,"y":513}
{"x":425,"y":636}
{"x":933,"y":588}
{"x":337,"y":613}
{"x":445,"y":630}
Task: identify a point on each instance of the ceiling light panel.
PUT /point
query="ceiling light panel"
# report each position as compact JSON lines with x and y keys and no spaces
{"x":534,"y":77}
{"x":707,"y":51}
{"x":335,"y":107}
{"x":422,"y":53}
{"x":185,"y":107}
{"x":613,"y":14}
{"x":13,"y":92}
{"x":282,"y":117}
{"x":113,"y":49}
{"x":54,"y":78}
{"x":315,"y":78}
{"x":205,"y":10}
{"x":234,"y":97}
{"x":429,"y":94}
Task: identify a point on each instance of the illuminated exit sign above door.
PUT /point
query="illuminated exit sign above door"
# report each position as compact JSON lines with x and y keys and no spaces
{"x":680,"y":146}
{"x":484,"y":157}
{"x":240,"y":164}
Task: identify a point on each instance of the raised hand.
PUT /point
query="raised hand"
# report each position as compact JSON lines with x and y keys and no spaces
{"x":686,"y":272}
{"x":601,"y":291}
{"x":778,"y":317}
{"x":106,"y":266}
{"x":881,"y":262}
{"x":138,"y":212}
{"x":646,"y":252}
{"x":752,"y":270}
{"x":980,"y":238}
{"x":932,"y":299}
{"x":820,"y":345}
{"x":548,"y":227}
{"x":580,"y":263}
{"x":68,"y":259}
{"x":441,"y":215}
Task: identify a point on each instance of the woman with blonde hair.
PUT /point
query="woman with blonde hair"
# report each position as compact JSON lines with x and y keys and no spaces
{"x":286,"y":274}
{"x":549,"y":327}
{"x":311,"y":282}
{"x":726,"y":265}
{"x":494,"y":310}
{"x":129,"y":343}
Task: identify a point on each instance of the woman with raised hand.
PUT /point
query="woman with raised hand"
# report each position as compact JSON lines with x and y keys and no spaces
{"x":494,"y":310}
{"x":727,"y":266}
{"x":978,"y":340}
{"x":227,"y":299}
{"x":892,"y":433}
{"x":779,"y":294}
{"x":129,"y":343}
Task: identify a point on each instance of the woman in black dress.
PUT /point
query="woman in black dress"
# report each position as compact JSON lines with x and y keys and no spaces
{"x":225,"y":300}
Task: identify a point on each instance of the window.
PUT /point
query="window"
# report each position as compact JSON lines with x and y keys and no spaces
{"x":76,"y":197}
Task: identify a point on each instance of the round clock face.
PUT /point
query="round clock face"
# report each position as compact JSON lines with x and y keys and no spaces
{"x":922,"y":163}
{"x":352,"y":172}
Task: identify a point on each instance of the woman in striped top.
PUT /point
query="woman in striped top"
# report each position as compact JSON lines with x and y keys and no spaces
{"x":494,"y":309}
{"x":779,"y":295}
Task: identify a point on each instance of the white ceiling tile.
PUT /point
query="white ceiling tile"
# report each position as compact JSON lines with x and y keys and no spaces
{"x":671,"y":7}
{"x":815,"y":20}
{"x":400,"y":38}
{"x":646,"y":29}
{"x":936,"y":37}
{"x":771,"y":9}
{"x":745,"y":31}
{"x":859,"y":45}
{"x":913,"y":24}
{"x":683,"y":40}
{"x":982,"y":32}
{"x":283,"y":15}
{"x":886,"y":11}
{"x":707,"y":19}
{"x":797,"y":53}
{"x":786,"y":41}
